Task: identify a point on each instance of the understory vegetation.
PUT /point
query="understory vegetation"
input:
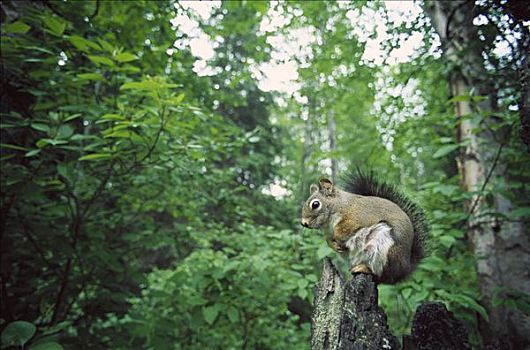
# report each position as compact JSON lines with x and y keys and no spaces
{"x":151,"y":191}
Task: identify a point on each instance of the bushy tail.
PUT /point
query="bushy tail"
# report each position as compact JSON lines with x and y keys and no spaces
{"x":367,"y":184}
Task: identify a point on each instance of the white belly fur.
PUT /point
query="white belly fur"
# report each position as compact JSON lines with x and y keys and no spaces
{"x":369,"y":246}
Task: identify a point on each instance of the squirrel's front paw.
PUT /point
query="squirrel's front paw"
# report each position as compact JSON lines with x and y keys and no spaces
{"x":336,"y":246}
{"x":361,"y":268}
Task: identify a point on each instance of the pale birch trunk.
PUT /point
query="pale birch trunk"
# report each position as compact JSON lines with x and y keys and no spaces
{"x":502,"y":249}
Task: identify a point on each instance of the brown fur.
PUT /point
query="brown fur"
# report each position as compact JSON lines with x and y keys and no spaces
{"x":352,"y":212}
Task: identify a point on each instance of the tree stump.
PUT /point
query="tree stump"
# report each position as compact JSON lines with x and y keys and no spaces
{"x":347,"y":315}
{"x":434,"y":327}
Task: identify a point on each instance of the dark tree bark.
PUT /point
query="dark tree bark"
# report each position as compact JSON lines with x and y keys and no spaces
{"x":434,"y":327}
{"x":347,"y":314}
{"x":525,"y":102}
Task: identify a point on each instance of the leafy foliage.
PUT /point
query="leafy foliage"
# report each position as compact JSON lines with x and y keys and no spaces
{"x":134,"y":209}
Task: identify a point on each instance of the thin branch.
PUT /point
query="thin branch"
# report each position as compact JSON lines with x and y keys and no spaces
{"x":37,"y":248}
{"x":62,"y":290}
{"x":450,"y":18}
{"x":488,"y":177}
{"x":97,"y":192}
{"x":96,"y":11}
{"x":152,"y":146}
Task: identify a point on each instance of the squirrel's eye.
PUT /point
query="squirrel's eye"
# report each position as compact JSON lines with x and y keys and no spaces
{"x":315,"y":204}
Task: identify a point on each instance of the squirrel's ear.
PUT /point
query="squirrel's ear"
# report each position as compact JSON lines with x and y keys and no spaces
{"x":313,"y":188}
{"x":326,"y":185}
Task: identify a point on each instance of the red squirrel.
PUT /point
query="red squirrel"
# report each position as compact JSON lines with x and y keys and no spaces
{"x":371,"y":224}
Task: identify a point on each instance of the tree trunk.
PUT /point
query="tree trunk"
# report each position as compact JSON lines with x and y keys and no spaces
{"x":524,"y":104}
{"x":502,"y":250}
{"x":346,"y":314}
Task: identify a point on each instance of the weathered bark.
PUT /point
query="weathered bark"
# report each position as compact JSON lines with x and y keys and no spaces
{"x":327,"y":314}
{"x":434,"y":327}
{"x":502,"y":249}
{"x":520,"y":12}
{"x":524,"y":104}
{"x":347,"y":315}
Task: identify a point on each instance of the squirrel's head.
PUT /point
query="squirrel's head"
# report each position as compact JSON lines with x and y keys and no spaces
{"x":317,"y":208}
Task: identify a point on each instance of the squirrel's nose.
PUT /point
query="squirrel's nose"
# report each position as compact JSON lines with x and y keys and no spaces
{"x":304,"y":223}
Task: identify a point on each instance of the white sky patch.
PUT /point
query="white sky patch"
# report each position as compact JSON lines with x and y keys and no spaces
{"x":276,"y":190}
{"x":202,"y":8}
{"x":202,"y":47}
{"x":399,"y":12}
{"x":273,"y":20}
{"x":279,"y":77}
{"x":280,"y":74}
{"x":200,"y":44}
{"x":390,"y":116}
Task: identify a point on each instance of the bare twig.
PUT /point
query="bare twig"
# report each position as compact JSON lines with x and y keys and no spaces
{"x":96,"y":11}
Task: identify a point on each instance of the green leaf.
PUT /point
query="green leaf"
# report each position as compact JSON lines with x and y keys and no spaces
{"x":472,"y":304}
{"x":210,"y":313}
{"x":233,"y":315}
{"x":446,"y":149}
{"x":125,"y":57}
{"x":32,"y":153}
{"x":323,"y":251}
{"x":112,"y":116}
{"x":125,"y":134}
{"x":83,"y":44}
{"x":95,"y":156}
{"x":302,"y":283}
{"x":16,"y":27}
{"x":106,"y":45}
{"x":522,"y":212}
{"x":65,"y":131}
{"x":91,"y":76}
{"x":433,"y":263}
{"x":460,"y":98}
{"x":175,"y":100}
{"x":15,"y":147}
{"x":231,"y":265}
{"x":46,"y":346}
{"x":98,"y":60}
{"x":18,"y":333}
{"x":54,"y":24}
{"x":302,"y":293}
{"x":67,"y":171}
{"x":72,"y":117}
{"x":447,"y":241}
{"x":147,"y":85}
{"x":260,"y":6}
{"x":406,"y":292}
{"x":44,"y":142}
{"x":40,"y":126}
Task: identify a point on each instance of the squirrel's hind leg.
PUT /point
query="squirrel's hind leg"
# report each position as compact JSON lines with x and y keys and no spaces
{"x":368,"y":249}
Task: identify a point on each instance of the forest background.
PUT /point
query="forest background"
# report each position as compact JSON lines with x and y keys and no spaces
{"x":151,"y":185}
